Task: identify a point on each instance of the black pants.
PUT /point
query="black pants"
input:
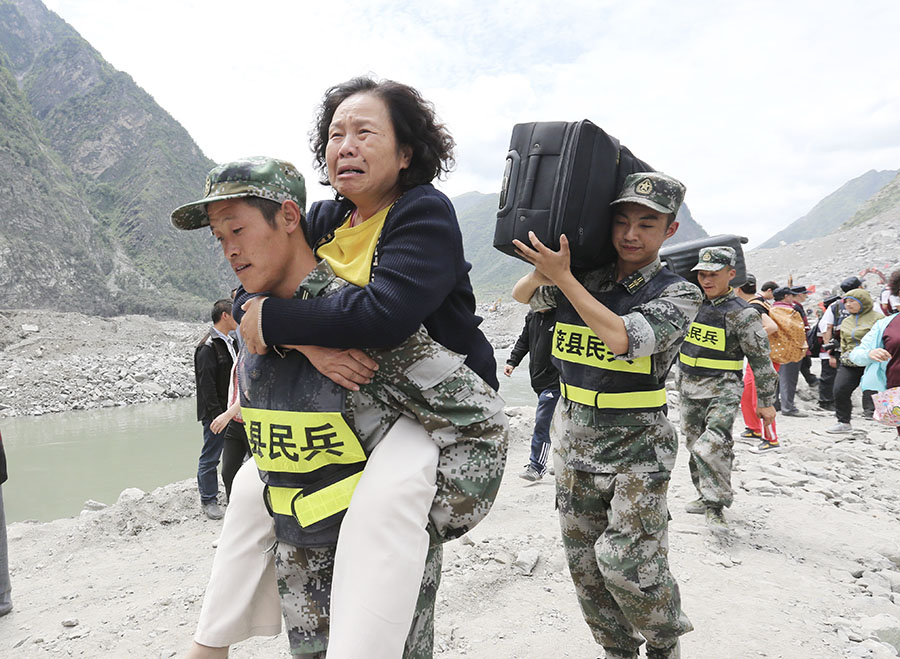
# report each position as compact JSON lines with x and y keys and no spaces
{"x":236,"y":449}
{"x":805,"y":371}
{"x":826,"y":382}
{"x":846,"y":380}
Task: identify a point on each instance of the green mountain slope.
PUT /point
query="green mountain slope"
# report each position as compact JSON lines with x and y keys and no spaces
{"x":50,"y":247}
{"x":126,"y":161}
{"x":886,"y":199}
{"x":834,"y":210}
{"x":494,"y":273}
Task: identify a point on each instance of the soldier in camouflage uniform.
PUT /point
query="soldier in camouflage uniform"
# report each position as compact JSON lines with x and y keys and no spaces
{"x":618,"y":330}
{"x":419,"y":379}
{"x":709,"y":379}
{"x":464,"y":417}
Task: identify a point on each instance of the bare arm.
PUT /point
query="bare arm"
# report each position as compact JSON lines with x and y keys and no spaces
{"x":768,"y":324}
{"x":527,"y":285}
{"x":218,"y":424}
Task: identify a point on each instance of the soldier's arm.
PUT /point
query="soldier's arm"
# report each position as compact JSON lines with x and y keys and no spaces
{"x":663,"y":322}
{"x":554,"y":266}
{"x":606,"y":324}
{"x":754,"y":342}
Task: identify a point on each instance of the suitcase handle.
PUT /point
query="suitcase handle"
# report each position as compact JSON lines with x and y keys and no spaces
{"x":510,"y":179}
{"x":530,"y":178}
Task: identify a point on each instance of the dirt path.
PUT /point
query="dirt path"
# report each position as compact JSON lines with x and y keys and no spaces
{"x":781,"y":585}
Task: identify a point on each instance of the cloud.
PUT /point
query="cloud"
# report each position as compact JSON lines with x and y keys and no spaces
{"x":761,"y":108}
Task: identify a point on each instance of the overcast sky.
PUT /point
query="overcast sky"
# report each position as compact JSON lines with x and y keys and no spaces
{"x":761,"y":108}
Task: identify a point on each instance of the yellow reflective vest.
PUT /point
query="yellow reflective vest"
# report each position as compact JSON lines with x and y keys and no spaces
{"x":590,"y":374}
{"x":310,"y":461}
{"x":706,"y":349}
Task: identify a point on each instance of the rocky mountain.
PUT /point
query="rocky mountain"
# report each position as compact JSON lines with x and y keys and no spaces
{"x":886,"y":200}
{"x":871,"y":242}
{"x":834,"y":210}
{"x":92,"y":165}
{"x":494,"y":273}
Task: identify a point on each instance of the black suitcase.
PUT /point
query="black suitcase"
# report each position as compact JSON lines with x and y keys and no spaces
{"x":560,"y":177}
{"x":680,"y":258}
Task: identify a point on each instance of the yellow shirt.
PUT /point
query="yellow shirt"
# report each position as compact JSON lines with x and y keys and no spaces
{"x":352,"y":249}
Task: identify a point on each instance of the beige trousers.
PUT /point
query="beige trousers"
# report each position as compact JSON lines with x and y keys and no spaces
{"x":242,"y":598}
{"x":379,"y":561}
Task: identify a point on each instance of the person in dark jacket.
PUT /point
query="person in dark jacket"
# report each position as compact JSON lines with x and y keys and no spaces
{"x":213,"y":359}
{"x":5,"y":586}
{"x":800,"y":296}
{"x":536,"y":338}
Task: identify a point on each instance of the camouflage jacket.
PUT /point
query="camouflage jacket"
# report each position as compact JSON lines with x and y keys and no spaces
{"x":743,"y":328}
{"x":629,"y":441}
{"x":463,"y":414}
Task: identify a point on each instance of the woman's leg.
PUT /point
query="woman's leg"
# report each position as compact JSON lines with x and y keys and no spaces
{"x":844,"y":384}
{"x":382,"y":547}
{"x":242,"y":597}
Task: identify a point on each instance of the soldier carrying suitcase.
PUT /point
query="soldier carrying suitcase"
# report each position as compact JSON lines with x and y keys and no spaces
{"x":619,"y":327}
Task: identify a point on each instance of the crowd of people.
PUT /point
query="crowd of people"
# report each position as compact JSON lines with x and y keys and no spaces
{"x":367,"y":395}
{"x":354,"y":401}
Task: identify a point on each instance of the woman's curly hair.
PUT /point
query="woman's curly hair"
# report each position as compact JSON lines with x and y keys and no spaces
{"x":415,"y":126}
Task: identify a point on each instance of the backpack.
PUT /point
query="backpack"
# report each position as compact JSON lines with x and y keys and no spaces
{"x":813,"y":340}
{"x":788,"y":344}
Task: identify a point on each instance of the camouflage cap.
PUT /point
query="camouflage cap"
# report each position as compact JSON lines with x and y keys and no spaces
{"x":715,"y":258}
{"x":268,"y":178}
{"x":654,"y":190}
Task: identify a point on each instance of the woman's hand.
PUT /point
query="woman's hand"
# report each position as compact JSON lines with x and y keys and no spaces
{"x":553,"y":266}
{"x":250,"y":326}
{"x":832,"y":361}
{"x":879,"y":355}
{"x":348,"y":368}
{"x":220,"y":422}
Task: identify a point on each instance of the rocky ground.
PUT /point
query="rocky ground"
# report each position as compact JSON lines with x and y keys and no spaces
{"x":54,"y":362}
{"x":809,"y":570}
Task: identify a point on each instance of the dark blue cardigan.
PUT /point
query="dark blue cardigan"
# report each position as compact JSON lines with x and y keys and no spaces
{"x":422,"y":278}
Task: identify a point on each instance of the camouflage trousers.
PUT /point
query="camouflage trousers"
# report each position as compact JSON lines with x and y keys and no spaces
{"x":469,"y":472}
{"x":304,"y":584}
{"x":706,"y":424}
{"x":615,"y":534}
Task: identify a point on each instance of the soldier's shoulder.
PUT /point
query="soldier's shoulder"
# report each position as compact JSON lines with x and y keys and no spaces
{"x":745,"y":322}
{"x":683,"y":288}
{"x":591,"y":279}
{"x":744,"y":315}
